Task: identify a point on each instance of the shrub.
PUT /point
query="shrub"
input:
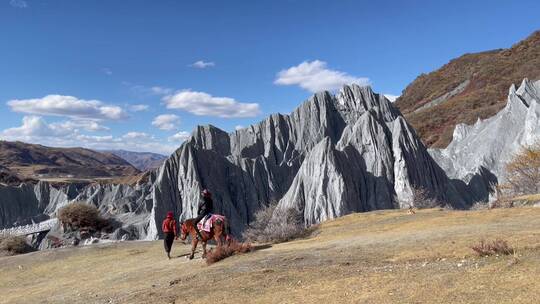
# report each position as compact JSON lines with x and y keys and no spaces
{"x":423,"y":199}
{"x":497,"y":246}
{"x":276,"y":225}
{"x":224,"y":251}
{"x":523,"y":173}
{"x":81,"y":215}
{"x":13,"y":245}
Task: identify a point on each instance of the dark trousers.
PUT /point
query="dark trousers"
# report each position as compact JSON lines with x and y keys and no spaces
{"x":168,"y":241}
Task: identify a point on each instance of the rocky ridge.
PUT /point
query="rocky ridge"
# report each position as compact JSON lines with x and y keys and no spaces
{"x":481,"y":151}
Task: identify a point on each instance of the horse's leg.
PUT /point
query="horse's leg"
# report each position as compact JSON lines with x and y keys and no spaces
{"x":217,"y":236}
{"x":194,"y":242}
{"x":204,"y":249}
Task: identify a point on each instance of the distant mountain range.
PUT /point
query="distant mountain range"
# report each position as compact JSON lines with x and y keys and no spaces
{"x":141,"y":160}
{"x":467,"y":88}
{"x":30,"y":161}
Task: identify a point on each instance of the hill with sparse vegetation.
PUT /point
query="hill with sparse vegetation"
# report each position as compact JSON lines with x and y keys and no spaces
{"x":22,"y":160}
{"x":467,"y":88}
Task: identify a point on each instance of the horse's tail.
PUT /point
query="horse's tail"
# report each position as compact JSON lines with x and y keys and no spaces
{"x":227,"y":230}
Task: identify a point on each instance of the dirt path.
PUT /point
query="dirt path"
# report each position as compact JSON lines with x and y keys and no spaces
{"x":377,"y":257}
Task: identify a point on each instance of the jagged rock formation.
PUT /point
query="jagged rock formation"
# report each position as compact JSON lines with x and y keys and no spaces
{"x":33,"y":203}
{"x":478,"y":153}
{"x":332,"y":156}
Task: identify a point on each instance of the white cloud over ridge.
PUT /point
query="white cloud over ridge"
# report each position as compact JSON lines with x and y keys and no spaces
{"x":314,"y":76}
{"x":35,"y":129}
{"x":204,"y":104}
{"x":201,"y":64}
{"x":166,"y":122}
{"x":68,"y":106}
{"x":179,"y":137}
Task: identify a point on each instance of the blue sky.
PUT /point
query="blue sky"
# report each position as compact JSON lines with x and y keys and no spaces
{"x":140,"y":75}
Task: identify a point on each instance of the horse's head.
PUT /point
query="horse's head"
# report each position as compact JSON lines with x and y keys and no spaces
{"x":184,"y":230}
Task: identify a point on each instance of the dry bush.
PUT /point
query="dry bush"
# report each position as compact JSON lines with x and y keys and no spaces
{"x":13,"y":245}
{"x":224,"y":251}
{"x":423,"y":199}
{"x":276,"y":225}
{"x":523,"y":172}
{"x":497,"y":246}
{"x":81,"y":215}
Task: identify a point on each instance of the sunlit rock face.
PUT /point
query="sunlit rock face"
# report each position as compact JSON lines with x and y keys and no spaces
{"x":332,"y":156}
{"x":478,"y":153}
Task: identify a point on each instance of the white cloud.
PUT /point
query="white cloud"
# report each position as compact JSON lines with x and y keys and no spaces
{"x":69,"y":106}
{"x":35,"y":129}
{"x":139,"y":107}
{"x":239,"y":127}
{"x":201,"y":64}
{"x":136,"y":135}
{"x":166,"y":122}
{"x":156,"y":90}
{"x":88,"y":125}
{"x":107,"y":71}
{"x":18,"y":3}
{"x":35,"y":126}
{"x":204,"y":104}
{"x":147,"y":91}
{"x":314,"y":76}
{"x":179,"y":137}
{"x":391,"y":97}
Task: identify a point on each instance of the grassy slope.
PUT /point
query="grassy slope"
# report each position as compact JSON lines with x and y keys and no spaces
{"x":376,"y":257}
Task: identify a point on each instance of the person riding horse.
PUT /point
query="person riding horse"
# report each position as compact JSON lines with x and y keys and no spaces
{"x":205,"y":208}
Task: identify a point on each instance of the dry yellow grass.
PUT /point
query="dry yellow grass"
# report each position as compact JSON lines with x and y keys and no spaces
{"x":376,"y":257}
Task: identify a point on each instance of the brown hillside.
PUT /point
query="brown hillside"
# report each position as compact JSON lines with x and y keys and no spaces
{"x":489,"y":75}
{"x":37,"y":161}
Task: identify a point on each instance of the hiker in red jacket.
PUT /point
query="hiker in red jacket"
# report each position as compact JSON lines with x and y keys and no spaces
{"x":170,"y":232}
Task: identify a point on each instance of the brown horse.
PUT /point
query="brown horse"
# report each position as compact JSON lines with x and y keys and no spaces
{"x":218,"y":232}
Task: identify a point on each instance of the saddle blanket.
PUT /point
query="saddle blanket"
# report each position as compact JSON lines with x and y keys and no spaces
{"x":209,"y":222}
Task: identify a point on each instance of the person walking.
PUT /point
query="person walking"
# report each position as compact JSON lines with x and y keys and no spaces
{"x":170,"y":232}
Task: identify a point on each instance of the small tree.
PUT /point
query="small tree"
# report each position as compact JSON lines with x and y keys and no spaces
{"x":523,"y":172}
{"x":81,"y":215}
